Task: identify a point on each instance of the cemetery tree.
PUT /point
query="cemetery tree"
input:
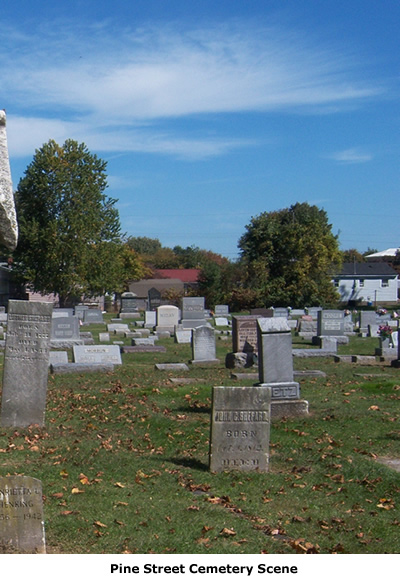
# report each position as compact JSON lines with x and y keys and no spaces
{"x":69,"y":228}
{"x":290,"y":255}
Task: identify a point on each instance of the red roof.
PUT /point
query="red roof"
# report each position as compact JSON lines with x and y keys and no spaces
{"x":187,"y":276}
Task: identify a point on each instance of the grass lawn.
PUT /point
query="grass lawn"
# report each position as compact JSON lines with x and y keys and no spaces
{"x":123,"y":461}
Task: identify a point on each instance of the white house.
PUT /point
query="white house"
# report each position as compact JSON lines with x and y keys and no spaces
{"x":367,"y":282}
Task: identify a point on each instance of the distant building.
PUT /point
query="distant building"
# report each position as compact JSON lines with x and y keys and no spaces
{"x":179,"y":281}
{"x":367,"y":283}
{"x":385,"y":255}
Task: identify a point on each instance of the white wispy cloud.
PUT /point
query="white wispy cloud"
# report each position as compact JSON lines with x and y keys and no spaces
{"x":113,"y":87}
{"x":351,"y":156}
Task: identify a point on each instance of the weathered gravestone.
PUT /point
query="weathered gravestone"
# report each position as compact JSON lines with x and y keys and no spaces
{"x":8,"y":217}
{"x":79,"y":311}
{"x":97,"y":354}
{"x":275,"y":367}
{"x":281,"y":312}
{"x":58,"y":357}
{"x":26,"y":363}
{"x":203,"y":346}
{"x":104,"y":337}
{"x":221,"y":321}
{"x":21,"y":515}
{"x":244,"y":334}
{"x":240,"y":427}
{"x":183,"y":336}
{"x":63,"y":312}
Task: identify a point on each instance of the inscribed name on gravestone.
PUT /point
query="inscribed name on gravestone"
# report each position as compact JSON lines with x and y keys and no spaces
{"x":193,"y":312}
{"x":244,"y":334}
{"x":21,"y":515}
{"x":93,"y":316}
{"x":26,"y":363}
{"x":97,"y":354}
{"x":240,"y":426}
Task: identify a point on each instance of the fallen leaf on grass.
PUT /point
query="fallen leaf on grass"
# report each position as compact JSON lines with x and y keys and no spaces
{"x":225,"y":532}
{"x":99,"y":524}
{"x":76,"y":491}
{"x":120,"y":485}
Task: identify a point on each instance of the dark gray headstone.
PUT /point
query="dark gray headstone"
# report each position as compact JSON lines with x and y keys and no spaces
{"x":240,"y":426}
{"x":275,"y":359}
{"x":221,"y":310}
{"x":153,"y":299}
{"x":26,"y":363}
{"x":330,"y":322}
{"x":21,"y":515}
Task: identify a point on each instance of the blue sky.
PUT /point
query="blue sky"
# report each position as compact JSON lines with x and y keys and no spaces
{"x":212,"y":112}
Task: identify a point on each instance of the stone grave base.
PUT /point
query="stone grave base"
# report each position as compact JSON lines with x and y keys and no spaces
{"x":289,"y":408}
{"x":61,"y":368}
{"x":65,"y":344}
{"x":204,"y":362}
{"x":128,"y":315}
{"x":143,"y":349}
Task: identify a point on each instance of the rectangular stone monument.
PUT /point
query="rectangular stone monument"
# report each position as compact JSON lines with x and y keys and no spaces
{"x":203,"y":346}
{"x":183,"y":336}
{"x":97,"y":354}
{"x":57,"y":357}
{"x":221,"y":310}
{"x":21,"y":515}
{"x":167,"y":318}
{"x":65,"y":331}
{"x":150,"y":319}
{"x":93,"y":316}
{"x":221,"y":321}
{"x":275,"y":367}
{"x":244,"y":334}
{"x":240,"y":427}
{"x":330,"y":322}
{"x":193,"y":312}
{"x":129,"y":305}
{"x":26,"y":363}
{"x":64,"y":312}
{"x":281,"y":311}
{"x":104,"y":337}
{"x":79,"y":310}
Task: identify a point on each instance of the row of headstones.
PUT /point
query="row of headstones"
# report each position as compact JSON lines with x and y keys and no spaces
{"x":240,"y":419}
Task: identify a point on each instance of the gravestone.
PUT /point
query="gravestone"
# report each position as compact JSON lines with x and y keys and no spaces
{"x":203,"y":346}
{"x":26,"y":363}
{"x":8,"y":217}
{"x":193,"y":312}
{"x":330,"y":322}
{"x":79,"y":310}
{"x":313,"y":311}
{"x":265,"y":312}
{"x":221,"y":310}
{"x":93,"y":316}
{"x":129,"y":307}
{"x":281,"y":312}
{"x":183,"y":336}
{"x":240,"y":427}
{"x":58,"y":357}
{"x":221,"y":321}
{"x":150,"y":319}
{"x":275,"y":367}
{"x":21,"y":515}
{"x":153,"y":299}
{"x":65,"y":332}
{"x":64,"y":312}
{"x":167,"y":318}
{"x":97,"y":354}
{"x":104,"y":337}
{"x":244,"y":334}
{"x":117,"y":327}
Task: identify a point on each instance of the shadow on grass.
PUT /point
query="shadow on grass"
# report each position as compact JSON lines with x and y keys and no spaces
{"x":189,"y":463}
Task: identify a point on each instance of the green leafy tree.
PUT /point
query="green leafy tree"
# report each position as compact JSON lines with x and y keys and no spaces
{"x":69,"y":230}
{"x":290,"y":255}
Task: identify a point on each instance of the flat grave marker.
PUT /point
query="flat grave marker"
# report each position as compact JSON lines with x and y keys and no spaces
{"x":97,"y":354}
